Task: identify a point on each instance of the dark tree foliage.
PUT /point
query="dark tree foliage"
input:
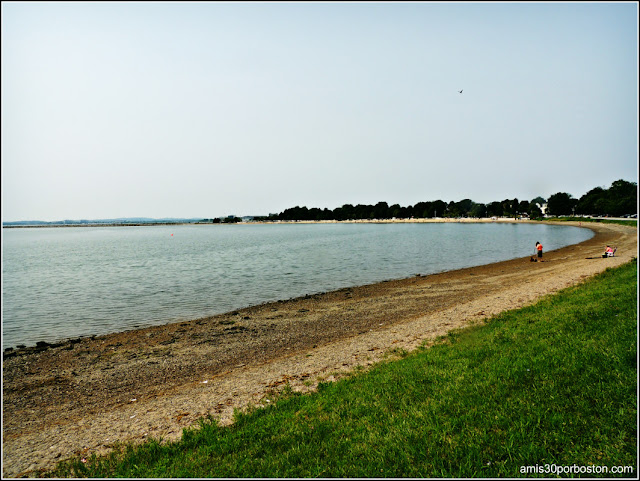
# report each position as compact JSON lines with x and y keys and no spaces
{"x":494,"y":209}
{"x":439,"y":207}
{"x":624,"y":198}
{"x":620,"y":199}
{"x":381,"y":211}
{"x":295,"y":213}
{"x":423,"y":210}
{"x":523,"y":207}
{"x":587,"y":203}
{"x":510,"y":207}
{"x":534,"y":211}
{"x":561,"y":204}
{"x":478,"y":210}
{"x":452,"y":210}
{"x":462,"y":208}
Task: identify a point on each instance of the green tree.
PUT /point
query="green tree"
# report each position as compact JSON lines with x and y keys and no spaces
{"x":624,"y":197}
{"x":509,"y":206}
{"x":478,"y":210}
{"x":315,"y":214}
{"x":452,"y":210}
{"x":346,"y":212}
{"x":396,"y":211}
{"x":540,"y":201}
{"x":494,"y":209}
{"x":603,"y":206}
{"x":587,"y":203}
{"x":424,"y":210}
{"x":561,"y":204}
{"x":363,"y":211}
{"x":381,"y":211}
{"x":619,"y":199}
{"x":439,"y":208}
{"x":534,"y":211}
{"x":523,"y":207}
{"x":295,"y":213}
{"x":465,"y":206}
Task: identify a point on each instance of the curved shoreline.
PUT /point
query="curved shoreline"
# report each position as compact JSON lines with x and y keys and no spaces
{"x":81,"y":398}
{"x":34,"y":338}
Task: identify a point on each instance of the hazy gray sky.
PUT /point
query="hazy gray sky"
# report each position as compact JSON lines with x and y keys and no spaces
{"x":210,"y":109}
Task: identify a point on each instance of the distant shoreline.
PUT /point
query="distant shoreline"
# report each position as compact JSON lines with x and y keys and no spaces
{"x":34,"y":226}
{"x":351,"y":221}
{"x":396,"y":221}
{"x":431,"y":220}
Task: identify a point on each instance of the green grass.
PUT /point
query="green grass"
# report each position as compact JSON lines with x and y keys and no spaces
{"x":554,"y":383}
{"x":631,"y":222}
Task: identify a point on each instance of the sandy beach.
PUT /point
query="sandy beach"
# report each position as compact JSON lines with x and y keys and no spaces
{"x":86,"y":395}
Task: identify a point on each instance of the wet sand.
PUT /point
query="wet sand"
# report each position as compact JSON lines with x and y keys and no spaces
{"x":84,"y":396}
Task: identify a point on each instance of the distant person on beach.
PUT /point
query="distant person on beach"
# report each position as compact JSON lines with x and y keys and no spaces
{"x":608,"y":252}
{"x":539,"y":250}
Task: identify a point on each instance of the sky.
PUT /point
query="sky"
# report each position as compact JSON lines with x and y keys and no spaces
{"x":208,"y":109}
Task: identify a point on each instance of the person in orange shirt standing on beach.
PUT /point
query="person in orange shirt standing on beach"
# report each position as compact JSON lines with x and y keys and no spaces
{"x":539,"y":249}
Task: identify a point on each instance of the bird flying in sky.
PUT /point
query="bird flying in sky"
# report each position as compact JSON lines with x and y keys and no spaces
{"x":460,"y":91}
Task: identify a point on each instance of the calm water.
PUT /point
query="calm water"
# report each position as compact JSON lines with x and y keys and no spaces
{"x":61,"y":283}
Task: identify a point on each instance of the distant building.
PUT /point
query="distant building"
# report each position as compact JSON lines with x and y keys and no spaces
{"x":543,"y":208}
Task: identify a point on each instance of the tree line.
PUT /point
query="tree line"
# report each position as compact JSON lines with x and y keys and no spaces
{"x":619,"y":199}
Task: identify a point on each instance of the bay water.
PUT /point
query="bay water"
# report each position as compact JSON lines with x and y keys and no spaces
{"x":60,"y":283}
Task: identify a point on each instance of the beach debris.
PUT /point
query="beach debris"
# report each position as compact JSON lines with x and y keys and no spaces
{"x":131,"y":417}
{"x":132,"y":400}
{"x":204,"y":382}
{"x":84,"y":460}
{"x":8,"y":354}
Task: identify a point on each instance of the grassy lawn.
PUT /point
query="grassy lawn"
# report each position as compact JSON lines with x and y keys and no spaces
{"x":631,"y":222}
{"x":554,"y":383}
